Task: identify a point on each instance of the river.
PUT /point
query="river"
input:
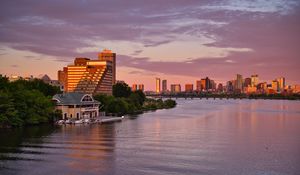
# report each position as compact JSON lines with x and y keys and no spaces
{"x":234,"y":137}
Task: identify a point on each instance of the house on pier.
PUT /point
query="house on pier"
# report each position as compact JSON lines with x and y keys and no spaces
{"x":76,"y":105}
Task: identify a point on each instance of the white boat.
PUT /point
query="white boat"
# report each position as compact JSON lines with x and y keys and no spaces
{"x":79,"y":121}
{"x":60,"y":122}
{"x":69,"y":121}
{"x":86,"y":120}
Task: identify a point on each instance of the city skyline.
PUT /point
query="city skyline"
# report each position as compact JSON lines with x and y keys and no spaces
{"x":179,"y":41}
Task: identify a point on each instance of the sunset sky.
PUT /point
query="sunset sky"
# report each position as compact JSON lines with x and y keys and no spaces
{"x":177,"y":40}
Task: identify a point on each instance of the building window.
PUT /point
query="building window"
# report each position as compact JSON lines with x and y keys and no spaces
{"x":65,"y":116}
{"x":87,"y":98}
{"x":70,"y":115}
{"x":77,"y":116}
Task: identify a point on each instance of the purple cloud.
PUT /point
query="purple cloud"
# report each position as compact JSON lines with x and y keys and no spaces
{"x":59,"y":28}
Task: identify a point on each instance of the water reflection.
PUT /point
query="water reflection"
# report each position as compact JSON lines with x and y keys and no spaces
{"x":39,"y":149}
{"x":197,"y":137}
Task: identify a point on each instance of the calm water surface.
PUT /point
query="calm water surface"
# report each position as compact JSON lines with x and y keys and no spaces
{"x":231,"y":137}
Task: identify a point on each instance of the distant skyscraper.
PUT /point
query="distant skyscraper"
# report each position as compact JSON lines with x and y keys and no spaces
{"x":207,"y":83}
{"x":141,"y":87}
{"x":134,"y":87}
{"x":175,"y":88}
{"x":198,"y":85}
{"x":203,"y":84}
{"x":229,"y":86}
{"x":275,"y":85}
{"x":239,"y":82}
{"x":220,"y":87}
{"x":157,"y":89}
{"x":189,"y":87}
{"x":212,"y":85}
{"x":164,"y":86}
{"x":281,"y":83}
{"x":247,"y":82}
{"x":254,"y":80}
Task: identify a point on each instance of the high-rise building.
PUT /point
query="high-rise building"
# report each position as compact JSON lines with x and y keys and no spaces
{"x":108,"y":55}
{"x":262,"y":88}
{"x":175,"y":88}
{"x":229,"y":86}
{"x":203,"y":84}
{"x":198,"y":85}
{"x":281,"y":83}
{"x":157,"y":88}
{"x":247,"y":82}
{"x":61,"y":75}
{"x":141,"y":87}
{"x":220,"y":87}
{"x":206,"y":84}
{"x":239,"y":82}
{"x":189,"y":87}
{"x":212,"y":85}
{"x":88,"y":76}
{"x":164,"y":86}
{"x":275,"y":85}
{"x":134,"y":87}
{"x":254,"y":80}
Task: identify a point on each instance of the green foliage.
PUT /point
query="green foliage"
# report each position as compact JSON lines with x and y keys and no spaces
{"x":152,"y":104}
{"x":118,"y":105}
{"x":3,"y":82}
{"x":170,"y":103}
{"x":105,"y":100}
{"x":35,"y":84}
{"x":121,"y":90}
{"x":8,"y":113}
{"x":25,"y":102}
{"x":135,"y":102}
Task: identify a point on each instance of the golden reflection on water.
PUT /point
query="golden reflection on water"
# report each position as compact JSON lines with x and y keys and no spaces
{"x":90,"y":146}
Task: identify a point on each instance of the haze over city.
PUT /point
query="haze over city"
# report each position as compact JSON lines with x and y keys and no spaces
{"x":180,"y":41}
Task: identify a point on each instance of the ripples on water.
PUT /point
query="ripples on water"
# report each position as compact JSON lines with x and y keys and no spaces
{"x":196,"y":137}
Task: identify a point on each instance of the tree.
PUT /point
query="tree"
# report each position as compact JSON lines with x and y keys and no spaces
{"x":3,"y":82}
{"x":118,"y":105}
{"x":121,"y":90}
{"x":8,"y":113}
{"x":142,"y":96}
{"x":105,"y":100}
{"x":35,"y":84}
{"x":33,"y":107}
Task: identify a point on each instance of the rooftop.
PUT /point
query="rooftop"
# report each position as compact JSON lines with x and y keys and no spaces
{"x":74,"y":98}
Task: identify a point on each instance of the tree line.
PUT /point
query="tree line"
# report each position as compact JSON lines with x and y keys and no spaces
{"x":26,"y":102}
{"x":124,"y":101}
{"x":30,"y":102}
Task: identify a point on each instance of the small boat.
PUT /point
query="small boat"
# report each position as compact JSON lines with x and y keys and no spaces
{"x":60,"y":122}
{"x":69,"y":121}
{"x":86,"y":121}
{"x":79,"y":121}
